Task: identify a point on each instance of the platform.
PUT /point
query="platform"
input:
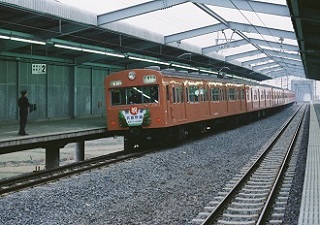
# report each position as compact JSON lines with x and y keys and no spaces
{"x":53,"y":135}
{"x":49,"y":130}
{"x":310,"y":204}
{"x":9,"y":131}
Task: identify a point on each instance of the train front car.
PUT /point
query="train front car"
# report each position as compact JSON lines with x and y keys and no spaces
{"x":134,"y":108}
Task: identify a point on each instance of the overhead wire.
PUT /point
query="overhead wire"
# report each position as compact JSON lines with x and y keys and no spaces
{"x":258,"y":30}
{"x":271,"y":34}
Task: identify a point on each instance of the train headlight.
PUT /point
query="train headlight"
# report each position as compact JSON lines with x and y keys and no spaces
{"x":131,"y":75}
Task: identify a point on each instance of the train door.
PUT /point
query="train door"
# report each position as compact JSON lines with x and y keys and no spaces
{"x":175,"y":103}
{"x":259,"y":99}
{"x":180,"y":102}
{"x":224,"y":100}
{"x":248,"y":98}
{"x":252,"y":100}
{"x":242,"y":99}
{"x":168,"y":100}
{"x":203,"y":97}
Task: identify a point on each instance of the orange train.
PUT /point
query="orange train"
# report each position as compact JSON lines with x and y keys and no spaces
{"x":153,"y":105}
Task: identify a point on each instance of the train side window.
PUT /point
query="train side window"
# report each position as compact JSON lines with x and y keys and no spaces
{"x":231,"y":94}
{"x":248,"y":94}
{"x":167,"y":93}
{"x":194,"y":94}
{"x":236,"y":94}
{"x":242,"y":94}
{"x":178,"y":95}
{"x":200,"y":94}
{"x":222,"y":94}
{"x":178,"y":91}
{"x":181,"y":94}
{"x":187,"y":94}
{"x":174,"y":100}
{"x":204,"y":94}
{"x":215,"y":94}
{"x":255,"y":96}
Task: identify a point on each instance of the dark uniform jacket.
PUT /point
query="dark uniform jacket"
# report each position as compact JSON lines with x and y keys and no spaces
{"x":23,"y":104}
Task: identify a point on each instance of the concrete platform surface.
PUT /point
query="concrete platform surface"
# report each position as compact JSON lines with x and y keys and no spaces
{"x":9,"y":131}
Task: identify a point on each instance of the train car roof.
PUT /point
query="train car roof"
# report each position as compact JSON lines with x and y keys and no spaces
{"x":171,"y":72}
{"x":208,"y":77}
{"x":202,"y":76}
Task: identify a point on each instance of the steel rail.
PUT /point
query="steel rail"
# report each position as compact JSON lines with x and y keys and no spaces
{"x":41,"y":177}
{"x":264,"y":213}
{"x":221,"y":206}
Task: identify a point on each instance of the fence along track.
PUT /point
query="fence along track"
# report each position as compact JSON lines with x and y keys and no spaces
{"x":247,"y":197}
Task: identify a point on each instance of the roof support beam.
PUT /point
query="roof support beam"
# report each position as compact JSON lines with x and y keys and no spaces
{"x":243,"y":54}
{"x":278,"y":74}
{"x":270,"y":53}
{"x":256,"y":41}
{"x":287,"y":60}
{"x":265,"y":65}
{"x":274,"y":44}
{"x":137,"y":10}
{"x":291,"y":66}
{"x":253,"y":61}
{"x":249,"y":5}
{"x":246,"y":28}
{"x":282,"y":54}
{"x":288,"y":68}
{"x":194,"y":33}
{"x":231,"y":44}
{"x":272,"y":69}
{"x":282,"y":61}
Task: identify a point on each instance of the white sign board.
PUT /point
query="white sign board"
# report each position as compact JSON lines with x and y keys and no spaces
{"x":39,"y":68}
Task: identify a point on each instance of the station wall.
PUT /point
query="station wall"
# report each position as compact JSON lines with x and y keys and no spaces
{"x":63,"y":92}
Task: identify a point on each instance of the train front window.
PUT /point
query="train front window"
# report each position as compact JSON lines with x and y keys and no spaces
{"x":118,"y":96}
{"x":135,"y":95}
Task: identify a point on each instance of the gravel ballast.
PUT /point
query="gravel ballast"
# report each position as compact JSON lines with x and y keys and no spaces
{"x":168,"y":187}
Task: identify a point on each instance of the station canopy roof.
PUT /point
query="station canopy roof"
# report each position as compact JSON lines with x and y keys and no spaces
{"x":244,"y":38}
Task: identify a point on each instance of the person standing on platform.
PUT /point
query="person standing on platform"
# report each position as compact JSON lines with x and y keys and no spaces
{"x":24,"y":105}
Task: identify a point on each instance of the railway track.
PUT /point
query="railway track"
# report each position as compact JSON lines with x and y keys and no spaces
{"x":41,"y":177}
{"x":258,"y":194}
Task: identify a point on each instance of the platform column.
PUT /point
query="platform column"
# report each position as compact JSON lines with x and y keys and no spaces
{"x":52,"y":157}
{"x":79,"y":151}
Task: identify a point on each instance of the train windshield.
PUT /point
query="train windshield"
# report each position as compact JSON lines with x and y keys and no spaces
{"x":135,"y":95}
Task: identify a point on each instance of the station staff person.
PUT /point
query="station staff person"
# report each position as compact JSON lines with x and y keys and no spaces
{"x":24,"y":105}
